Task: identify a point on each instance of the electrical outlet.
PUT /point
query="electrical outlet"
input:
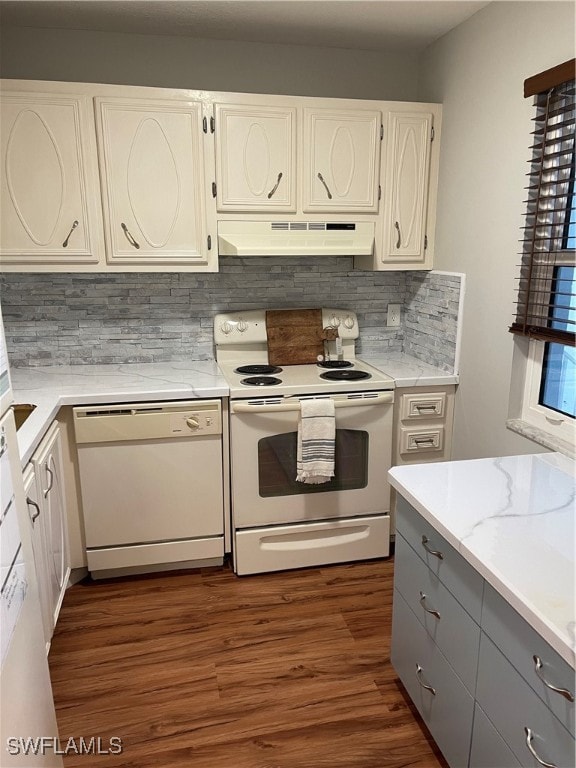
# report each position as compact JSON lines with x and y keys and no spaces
{"x":393,"y":315}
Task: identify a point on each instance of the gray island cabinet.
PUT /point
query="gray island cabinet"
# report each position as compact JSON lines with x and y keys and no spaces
{"x":483,"y":613}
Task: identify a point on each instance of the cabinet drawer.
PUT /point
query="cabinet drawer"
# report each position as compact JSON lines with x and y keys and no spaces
{"x":489,"y":750}
{"x":455,"y":633}
{"x":454,"y":572}
{"x":423,"y":406}
{"x":513,"y":707}
{"x":413,"y":440}
{"x":520,"y":643}
{"x":418,"y":661}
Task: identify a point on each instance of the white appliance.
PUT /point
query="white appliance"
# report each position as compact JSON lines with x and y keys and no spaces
{"x":279,"y":523}
{"x":295,"y":238}
{"x":152,"y":488}
{"x":27,"y":706}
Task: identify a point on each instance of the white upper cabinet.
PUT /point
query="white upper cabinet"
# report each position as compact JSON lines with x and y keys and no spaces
{"x":408,"y":151}
{"x":255,"y":158}
{"x":341,"y":160}
{"x":49,"y":196}
{"x":153,"y":182}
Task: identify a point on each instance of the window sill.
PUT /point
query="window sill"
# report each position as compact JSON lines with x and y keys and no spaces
{"x":541,"y":437}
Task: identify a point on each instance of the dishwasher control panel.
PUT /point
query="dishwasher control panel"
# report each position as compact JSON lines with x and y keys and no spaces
{"x":200,"y":422}
{"x":147,"y":421}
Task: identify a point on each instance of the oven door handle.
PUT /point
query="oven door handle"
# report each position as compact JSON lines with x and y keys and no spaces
{"x":379,"y":399}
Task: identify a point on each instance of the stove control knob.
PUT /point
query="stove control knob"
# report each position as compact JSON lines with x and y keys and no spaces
{"x":242,"y":326}
{"x":335,"y":321}
{"x":226,"y":327}
{"x":349,"y":322}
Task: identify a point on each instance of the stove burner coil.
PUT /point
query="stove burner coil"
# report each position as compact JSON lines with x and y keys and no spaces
{"x":345,"y":375}
{"x":335,"y":364}
{"x":258,"y":370}
{"x":261,"y":381}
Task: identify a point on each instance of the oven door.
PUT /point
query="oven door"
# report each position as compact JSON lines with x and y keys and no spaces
{"x":263,"y":446}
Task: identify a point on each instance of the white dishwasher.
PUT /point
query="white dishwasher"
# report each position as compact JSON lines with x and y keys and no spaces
{"x":152,"y":487}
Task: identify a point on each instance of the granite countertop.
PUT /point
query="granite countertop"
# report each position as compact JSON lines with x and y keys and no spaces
{"x":49,"y":388}
{"x":513,"y":520}
{"x":408,"y":371}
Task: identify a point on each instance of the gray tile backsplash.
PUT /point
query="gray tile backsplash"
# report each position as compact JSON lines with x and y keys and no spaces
{"x":69,"y":319}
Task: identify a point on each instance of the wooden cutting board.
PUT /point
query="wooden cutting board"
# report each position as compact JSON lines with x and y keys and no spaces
{"x":295,"y":336}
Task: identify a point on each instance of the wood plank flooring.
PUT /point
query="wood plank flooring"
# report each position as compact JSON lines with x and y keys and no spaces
{"x":202,"y":669}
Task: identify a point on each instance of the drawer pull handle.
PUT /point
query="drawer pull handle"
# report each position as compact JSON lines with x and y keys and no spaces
{"x":419,"y":671}
{"x":428,"y":610}
{"x":434,"y":552}
{"x":529,"y":737}
{"x":426,"y":408}
{"x":562,"y":691}
{"x":424,"y":440}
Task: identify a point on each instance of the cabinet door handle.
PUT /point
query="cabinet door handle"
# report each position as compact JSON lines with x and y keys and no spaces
{"x":35,"y":515}
{"x":74,"y":225}
{"x":129,"y":236}
{"x":419,"y":671}
{"x":50,"y":480}
{"x":434,"y":552}
{"x":275,"y":187}
{"x":397,"y":228}
{"x":428,"y":610}
{"x":529,"y":737}
{"x":539,"y":671}
{"x":325,"y":186}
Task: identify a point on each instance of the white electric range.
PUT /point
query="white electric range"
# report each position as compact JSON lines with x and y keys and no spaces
{"x":280,"y":523}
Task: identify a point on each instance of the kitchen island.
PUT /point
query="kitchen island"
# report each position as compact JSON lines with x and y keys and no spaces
{"x":484,"y":613}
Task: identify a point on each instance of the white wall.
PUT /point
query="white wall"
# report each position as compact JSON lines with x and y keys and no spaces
{"x":217,"y":65}
{"x":478,"y":71}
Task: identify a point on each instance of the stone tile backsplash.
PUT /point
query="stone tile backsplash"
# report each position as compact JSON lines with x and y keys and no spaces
{"x":68,"y":319}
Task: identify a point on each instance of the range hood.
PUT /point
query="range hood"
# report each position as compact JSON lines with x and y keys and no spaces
{"x":295,"y":238}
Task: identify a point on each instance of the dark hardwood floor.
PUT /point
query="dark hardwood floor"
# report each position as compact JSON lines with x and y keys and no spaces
{"x":203,"y":669}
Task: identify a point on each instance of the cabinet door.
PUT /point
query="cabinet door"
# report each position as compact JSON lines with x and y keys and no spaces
{"x":39,"y":546}
{"x":48,"y":464}
{"x":406,"y":186}
{"x":49,"y":196}
{"x":341,"y":160}
{"x":255,"y":158}
{"x":153,"y":181}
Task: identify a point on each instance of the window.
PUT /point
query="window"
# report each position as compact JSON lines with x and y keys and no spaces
{"x":546,"y":296}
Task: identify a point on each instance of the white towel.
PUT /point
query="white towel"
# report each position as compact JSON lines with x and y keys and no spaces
{"x":316,"y":441}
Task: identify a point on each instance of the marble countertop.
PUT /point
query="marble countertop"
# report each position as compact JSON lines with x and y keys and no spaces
{"x":513,"y":520}
{"x":408,"y":371}
{"x":49,"y":388}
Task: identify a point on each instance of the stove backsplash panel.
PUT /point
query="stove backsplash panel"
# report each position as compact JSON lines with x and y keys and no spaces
{"x":72,"y":319}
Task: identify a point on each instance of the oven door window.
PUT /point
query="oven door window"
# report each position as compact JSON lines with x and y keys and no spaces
{"x":277,"y":464}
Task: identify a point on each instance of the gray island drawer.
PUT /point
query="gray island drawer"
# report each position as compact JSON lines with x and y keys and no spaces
{"x":513,"y":706}
{"x":448,"y":711}
{"x":455,"y":632}
{"x":462,"y":580}
{"x":520,"y":643}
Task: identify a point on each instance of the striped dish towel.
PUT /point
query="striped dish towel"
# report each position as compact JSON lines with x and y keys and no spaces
{"x":316,"y":441}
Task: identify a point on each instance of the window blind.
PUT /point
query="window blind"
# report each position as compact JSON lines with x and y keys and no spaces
{"x":546,"y":301}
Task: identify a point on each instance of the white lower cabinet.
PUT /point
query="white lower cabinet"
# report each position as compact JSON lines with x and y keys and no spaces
{"x":491,"y":690}
{"x":39,"y":546}
{"x":47,"y":505}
